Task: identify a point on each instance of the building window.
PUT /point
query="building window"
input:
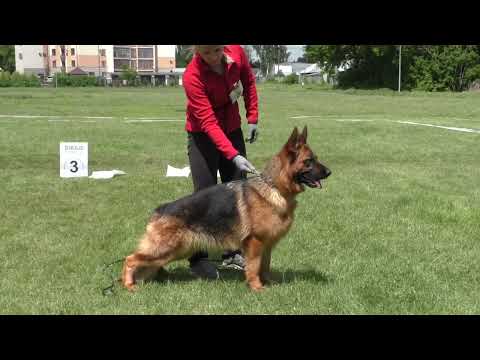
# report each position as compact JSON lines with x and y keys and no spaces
{"x":72,"y":51}
{"x":104,"y":63}
{"x":54,"y":63}
{"x":20,"y":56}
{"x":145,"y":53}
{"x":91,"y":74}
{"x":133,"y":53}
{"x":102,"y":52}
{"x":119,"y":63}
{"x":54,"y":52}
{"x":121,"y":52}
{"x":145,"y":64}
{"x":73,"y":63}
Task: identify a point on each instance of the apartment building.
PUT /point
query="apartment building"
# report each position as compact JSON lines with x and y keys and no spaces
{"x":32,"y":59}
{"x":152,"y":62}
{"x":90,"y":59}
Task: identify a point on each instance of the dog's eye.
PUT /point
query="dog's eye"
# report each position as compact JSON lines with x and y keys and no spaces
{"x":308,"y":162}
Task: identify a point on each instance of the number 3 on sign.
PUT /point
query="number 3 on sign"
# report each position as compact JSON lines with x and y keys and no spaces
{"x":74,"y":165}
{"x":73,"y":159}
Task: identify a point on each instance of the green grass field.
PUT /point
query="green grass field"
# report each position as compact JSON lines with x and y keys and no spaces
{"x":395,"y":230}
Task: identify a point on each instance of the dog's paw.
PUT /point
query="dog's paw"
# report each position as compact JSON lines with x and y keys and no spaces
{"x":258,"y":289}
{"x":256,"y":286}
{"x":130,"y":287}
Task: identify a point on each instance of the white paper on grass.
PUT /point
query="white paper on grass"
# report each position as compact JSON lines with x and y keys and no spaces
{"x":106,"y":174}
{"x":176,"y":172}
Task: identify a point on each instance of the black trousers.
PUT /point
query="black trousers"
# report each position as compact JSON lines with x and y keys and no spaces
{"x":205,"y":160}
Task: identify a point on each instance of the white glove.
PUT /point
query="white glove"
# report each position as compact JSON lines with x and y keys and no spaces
{"x":243,"y":164}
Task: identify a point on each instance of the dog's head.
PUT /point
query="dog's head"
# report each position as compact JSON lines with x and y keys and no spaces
{"x":303,"y":166}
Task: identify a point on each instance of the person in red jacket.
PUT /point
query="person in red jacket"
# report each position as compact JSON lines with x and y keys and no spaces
{"x":213,"y":82}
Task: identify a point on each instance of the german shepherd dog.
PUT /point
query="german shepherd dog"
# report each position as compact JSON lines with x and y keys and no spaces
{"x":252,"y":214}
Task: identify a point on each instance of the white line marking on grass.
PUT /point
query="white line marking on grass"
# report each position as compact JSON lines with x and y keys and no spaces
{"x":328,"y":117}
{"x":149,"y":118}
{"x":305,"y":116}
{"x":29,"y":116}
{"x":55,"y":116}
{"x":441,"y":127}
{"x":152,"y":120}
{"x":353,"y":120}
{"x":145,"y":119}
{"x":66,"y":120}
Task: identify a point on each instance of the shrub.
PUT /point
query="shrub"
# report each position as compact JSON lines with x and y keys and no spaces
{"x":291,"y":79}
{"x":66,"y":80}
{"x":18,"y":80}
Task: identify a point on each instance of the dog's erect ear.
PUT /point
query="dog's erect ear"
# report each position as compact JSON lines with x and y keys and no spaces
{"x":291,"y":147}
{"x":302,"y":139}
{"x":291,"y":144}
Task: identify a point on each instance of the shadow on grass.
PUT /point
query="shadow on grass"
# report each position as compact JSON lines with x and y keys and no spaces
{"x":277,"y":277}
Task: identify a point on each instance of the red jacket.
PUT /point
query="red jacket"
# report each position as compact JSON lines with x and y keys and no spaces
{"x":209,"y":108}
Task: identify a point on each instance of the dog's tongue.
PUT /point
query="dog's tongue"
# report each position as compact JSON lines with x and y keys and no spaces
{"x":318,"y":184}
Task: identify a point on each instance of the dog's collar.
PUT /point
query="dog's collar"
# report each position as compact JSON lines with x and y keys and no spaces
{"x":267,"y":179}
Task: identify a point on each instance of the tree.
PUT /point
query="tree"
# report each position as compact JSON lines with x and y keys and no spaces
{"x":63,"y":55}
{"x":426,"y":67}
{"x":183,"y":55}
{"x":249,"y":52}
{"x":7,"y":58}
{"x":442,"y":67}
{"x":270,"y":55}
{"x":128,"y":74}
{"x":367,"y":66}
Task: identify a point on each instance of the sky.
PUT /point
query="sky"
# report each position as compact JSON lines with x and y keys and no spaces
{"x":296,"y":51}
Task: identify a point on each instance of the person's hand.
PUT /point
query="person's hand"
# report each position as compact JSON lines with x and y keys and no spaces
{"x":252,"y":133}
{"x":243,"y":164}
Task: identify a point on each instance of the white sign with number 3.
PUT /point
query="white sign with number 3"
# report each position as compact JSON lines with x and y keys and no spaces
{"x":73,"y":159}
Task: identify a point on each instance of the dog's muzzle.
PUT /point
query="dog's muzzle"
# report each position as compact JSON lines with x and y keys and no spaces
{"x":313,"y":180}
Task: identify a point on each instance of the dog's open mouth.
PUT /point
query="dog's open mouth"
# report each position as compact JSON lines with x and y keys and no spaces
{"x":314,"y":184}
{"x":303,"y":178}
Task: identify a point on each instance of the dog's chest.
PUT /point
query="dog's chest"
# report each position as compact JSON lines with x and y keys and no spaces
{"x":272,"y":225}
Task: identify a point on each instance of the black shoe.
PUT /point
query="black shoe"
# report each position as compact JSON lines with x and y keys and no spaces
{"x":204,"y":269}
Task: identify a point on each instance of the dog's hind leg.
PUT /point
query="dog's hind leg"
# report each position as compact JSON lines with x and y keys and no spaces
{"x":253,"y":256}
{"x":161,"y":243}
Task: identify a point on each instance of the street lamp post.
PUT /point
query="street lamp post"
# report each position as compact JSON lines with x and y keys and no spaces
{"x":399,"y":68}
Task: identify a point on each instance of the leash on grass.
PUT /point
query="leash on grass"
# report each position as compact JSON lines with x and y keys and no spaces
{"x":109,"y":290}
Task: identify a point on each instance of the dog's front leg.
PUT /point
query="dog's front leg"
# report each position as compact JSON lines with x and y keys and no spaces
{"x":253,"y":256}
{"x":265,"y":267}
